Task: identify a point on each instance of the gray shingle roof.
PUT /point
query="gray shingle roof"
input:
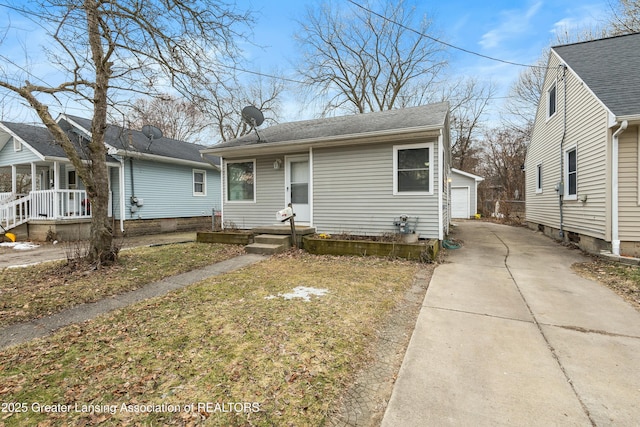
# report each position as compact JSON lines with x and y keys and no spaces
{"x":41,"y":140}
{"x":136,"y":142}
{"x":611,"y":69}
{"x":432,"y":115}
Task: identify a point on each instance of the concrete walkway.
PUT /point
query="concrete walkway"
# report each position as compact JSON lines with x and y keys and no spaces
{"x":508,"y":335}
{"x":23,"y":332}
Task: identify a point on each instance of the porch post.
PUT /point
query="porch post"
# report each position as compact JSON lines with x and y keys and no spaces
{"x":34,"y":172}
{"x":56,"y":176}
{"x":56,"y":187}
{"x":14,"y":179}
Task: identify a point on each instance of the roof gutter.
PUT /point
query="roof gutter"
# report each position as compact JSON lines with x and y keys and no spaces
{"x":353,"y":139}
{"x":156,"y":158}
{"x":615,"y":237}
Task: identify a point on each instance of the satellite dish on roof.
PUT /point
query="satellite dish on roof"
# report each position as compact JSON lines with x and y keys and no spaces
{"x":252,"y":116}
{"x":152,"y":133}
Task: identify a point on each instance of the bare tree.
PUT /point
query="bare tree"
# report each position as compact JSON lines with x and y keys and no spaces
{"x":625,"y":17}
{"x":105,"y":48}
{"x":226,"y":102}
{"x":177,"y":118}
{"x":470,"y":101}
{"x":363,"y":60}
{"x":524,"y":95}
{"x":503,"y":157}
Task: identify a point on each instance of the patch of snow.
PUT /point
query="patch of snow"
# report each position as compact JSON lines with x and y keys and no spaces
{"x":303,"y":292}
{"x":19,"y":246}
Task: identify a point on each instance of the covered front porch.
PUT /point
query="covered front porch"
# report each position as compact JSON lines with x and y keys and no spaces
{"x":45,"y":195}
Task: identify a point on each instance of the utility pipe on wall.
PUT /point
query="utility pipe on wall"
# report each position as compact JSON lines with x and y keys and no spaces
{"x":615,"y":238}
{"x":562,"y":184}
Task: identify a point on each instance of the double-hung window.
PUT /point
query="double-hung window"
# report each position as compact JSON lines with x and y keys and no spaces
{"x":551,"y":101}
{"x":241,"y":181}
{"x":413,"y":169}
{"x":199,"y":182}
{"x":571,"y":174}
{"x":539,"y":178}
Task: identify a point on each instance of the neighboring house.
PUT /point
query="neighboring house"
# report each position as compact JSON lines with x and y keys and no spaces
{"x":155,"y":185}
{"x":351,"y":174}
{"x":464,"y":194}
{"x":582,"y":167}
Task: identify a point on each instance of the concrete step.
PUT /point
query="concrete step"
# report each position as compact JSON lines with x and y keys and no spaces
{"x":264,"y":248}
{"x":301,"y":230}
{"x":273,"y":239}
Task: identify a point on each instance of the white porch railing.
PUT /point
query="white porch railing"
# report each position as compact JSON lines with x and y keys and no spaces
{"x":46,"y":204}
{"x":6,"y":197}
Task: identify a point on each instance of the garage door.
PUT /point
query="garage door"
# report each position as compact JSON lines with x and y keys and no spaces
{"x":460,"y":202}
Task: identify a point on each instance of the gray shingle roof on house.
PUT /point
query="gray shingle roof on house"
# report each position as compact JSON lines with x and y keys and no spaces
{"x":136,"y":142}
{"x":433,"y":115}
{"x":41,"y":140}
{"x":611,"y":69}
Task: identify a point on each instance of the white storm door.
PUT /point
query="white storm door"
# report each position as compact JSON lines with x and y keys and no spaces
{"x":297,"y":186}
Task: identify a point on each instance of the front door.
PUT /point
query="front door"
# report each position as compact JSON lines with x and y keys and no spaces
{"x":297,"y":186}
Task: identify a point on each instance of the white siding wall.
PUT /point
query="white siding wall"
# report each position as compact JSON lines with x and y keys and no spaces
{"x":353,"y":192}
{"x":629,"y":218}
{"x":270,"y":196}
{"x":586,"y":130}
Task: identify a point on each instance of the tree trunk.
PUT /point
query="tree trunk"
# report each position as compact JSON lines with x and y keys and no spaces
{"x":101,"y":250}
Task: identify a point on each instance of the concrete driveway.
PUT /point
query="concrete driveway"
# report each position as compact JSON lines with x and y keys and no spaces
{"x":508,"y":335}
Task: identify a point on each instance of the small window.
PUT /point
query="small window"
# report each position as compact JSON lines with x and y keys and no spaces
{"x":72,"y":183}
{"x":571,"y":174}
{"x":241,"y":181}
{"x":199,"y":182}
{"x":539,"y":178}
{"x":551,"y":101}
{"x":413,"y":171}
{"x":16,"y":145}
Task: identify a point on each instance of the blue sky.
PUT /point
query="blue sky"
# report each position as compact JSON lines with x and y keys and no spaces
{"x":504,"y":29}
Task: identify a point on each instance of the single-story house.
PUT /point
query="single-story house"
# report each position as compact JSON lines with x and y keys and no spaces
{"x":582,"y":173}
{"x":353,"y":174}
{"x":464,"y":194}
{"x":155,"y":185}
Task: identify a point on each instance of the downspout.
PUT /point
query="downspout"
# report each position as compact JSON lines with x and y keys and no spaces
{"x":441,"y":219}
{"x":122,"y":195}
{"x":133,"y":190}
{"x":561,"y":184}
{"x":615,"y":237}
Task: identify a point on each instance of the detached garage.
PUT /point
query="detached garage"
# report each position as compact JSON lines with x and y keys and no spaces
{"x":464,"y":194}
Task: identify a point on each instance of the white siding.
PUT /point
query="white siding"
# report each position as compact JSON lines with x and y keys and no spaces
{"x":270,"y":196}
{"x":353,"y":192}
{"x":629,"y":218}
{"x":586,"y":129}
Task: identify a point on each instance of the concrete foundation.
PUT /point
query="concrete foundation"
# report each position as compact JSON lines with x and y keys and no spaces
{"x":589,"y":244}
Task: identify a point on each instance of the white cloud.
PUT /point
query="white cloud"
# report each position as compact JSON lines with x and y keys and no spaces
{"x":513,"y":22}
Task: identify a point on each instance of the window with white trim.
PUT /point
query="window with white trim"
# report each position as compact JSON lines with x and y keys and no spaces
{"x":571,"y":174}
{"x":539,"y":178}
{"x":413,"y":169}
{"x":551,"y":101}
{"x":17,"y":146}
{"x":199,"y":182}
{"x":241,"y":181}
